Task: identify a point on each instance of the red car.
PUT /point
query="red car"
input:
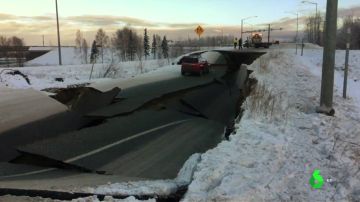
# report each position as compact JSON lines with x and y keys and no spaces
{"x":194,"y":64}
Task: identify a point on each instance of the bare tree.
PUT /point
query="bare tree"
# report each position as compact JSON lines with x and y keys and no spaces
{"x":354,"y":25}
{"x":120,"y":42}
{"x":159,"y":48}
{"x":102,"y":40}
{"x":126,"y":41}
{"x":78,"y":42}
{"x":313,"y":31}
{"x":3,"y":41}
{"x":140,"y":52}
{"x":4,"y":44}
{"x":19,"y":53}
{"x":85,"y":48}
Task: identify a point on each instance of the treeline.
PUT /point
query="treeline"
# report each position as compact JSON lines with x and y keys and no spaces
{"x":12,"y":50}
{"x":125,"y":43}
{"x":210,"y":41}
{"x":314,"y":29}
{"x":354,"y":25}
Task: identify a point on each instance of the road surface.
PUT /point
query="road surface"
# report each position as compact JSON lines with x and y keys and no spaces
{"x":147,"y":132}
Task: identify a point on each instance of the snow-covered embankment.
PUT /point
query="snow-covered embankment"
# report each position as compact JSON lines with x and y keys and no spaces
{"x":281,"y":140}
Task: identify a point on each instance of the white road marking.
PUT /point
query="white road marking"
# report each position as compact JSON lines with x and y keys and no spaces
{"x":28,"y":173}
{"x":122,"y":141}
{"x":98,"y":150}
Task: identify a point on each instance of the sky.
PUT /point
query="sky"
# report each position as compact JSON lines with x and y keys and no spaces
{"x":30,"y":19}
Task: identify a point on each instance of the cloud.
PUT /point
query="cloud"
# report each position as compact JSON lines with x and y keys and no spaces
{"x":5,"y":17}
{"x":182,"y":25}
{"x":37,"y":18}
{"x":354,"y":11}
{"x":9,"y":17}
{"x":289,"y":24}
{"x":31,"y":28}
{"x":105,"y":20}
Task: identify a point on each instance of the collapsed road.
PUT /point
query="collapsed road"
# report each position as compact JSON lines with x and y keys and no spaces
{"x":142,"y":132}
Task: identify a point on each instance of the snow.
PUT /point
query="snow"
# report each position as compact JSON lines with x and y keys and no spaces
{"x":158,"y":187}
{"x":281,"y":140}
{"x":39,"y":48}
{"x":314,"y":60}
{"x":51,"y":58}
{"x":9,"y":198}
{"x":42,"y":77}
{"x":109,"y":199}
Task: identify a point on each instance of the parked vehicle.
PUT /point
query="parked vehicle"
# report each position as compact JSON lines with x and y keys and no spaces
{"x":194,"y":65}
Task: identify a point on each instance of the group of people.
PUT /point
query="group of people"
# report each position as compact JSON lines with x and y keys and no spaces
{"x":238,"y":42}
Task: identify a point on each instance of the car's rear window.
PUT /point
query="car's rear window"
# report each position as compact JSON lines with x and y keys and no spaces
{"x":191,"y":60}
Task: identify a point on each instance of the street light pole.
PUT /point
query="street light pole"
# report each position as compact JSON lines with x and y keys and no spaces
{"x":327,"y":81}
{"x":242,"y":24}
{"x":317,"y":36}
{"x":297,"y":30}
{"x":58,"y":32}
{"x":348,"y":40}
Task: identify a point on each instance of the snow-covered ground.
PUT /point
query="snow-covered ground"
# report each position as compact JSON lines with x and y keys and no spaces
{"x":280,"y":140}
{"x":44,"y":71}
{"x":42,"y":77}
{"x":8,"y":198}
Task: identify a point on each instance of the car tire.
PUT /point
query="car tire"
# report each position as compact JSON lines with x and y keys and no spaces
{"x":201,"y":73}
{"x":207,"y":70}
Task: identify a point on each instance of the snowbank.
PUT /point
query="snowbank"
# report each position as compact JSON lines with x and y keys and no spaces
{"x":313,"y":62}
{"x":109,"y":199}
{"x":158,"y":187}
{"x":52,"y":58}
{"x":280,"y":141}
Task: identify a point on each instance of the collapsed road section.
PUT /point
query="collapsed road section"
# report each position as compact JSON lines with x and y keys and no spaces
{"x":143,"y":132}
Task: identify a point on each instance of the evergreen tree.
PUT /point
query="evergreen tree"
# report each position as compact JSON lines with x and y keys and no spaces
{"x":154,"y":47}
{"x":146,"y":44}
{"x":94,"y":52}
{"x":165,"y":47}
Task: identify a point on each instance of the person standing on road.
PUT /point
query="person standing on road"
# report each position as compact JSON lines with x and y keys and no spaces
{"x":235,"y":43}
{"x":240,"y":44}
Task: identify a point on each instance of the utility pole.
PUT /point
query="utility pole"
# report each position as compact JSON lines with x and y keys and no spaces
{"x":58,"y":32}
{"x":269,"y":30}
{"x":43,"y":39}
{"x":242,"y":24}
{"x":317,"y":26}
{"x":327,"y":82}
{"x":297,"y":32}
{"x":302,"y":46}
{"x":348,"y":40}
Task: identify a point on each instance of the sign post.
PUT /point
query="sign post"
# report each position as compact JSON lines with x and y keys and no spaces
{"x":348,"y":38}
{"x":199,"y":31}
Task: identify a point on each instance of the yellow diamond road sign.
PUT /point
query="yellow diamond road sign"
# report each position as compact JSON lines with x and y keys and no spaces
{"x":199,"y":30}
